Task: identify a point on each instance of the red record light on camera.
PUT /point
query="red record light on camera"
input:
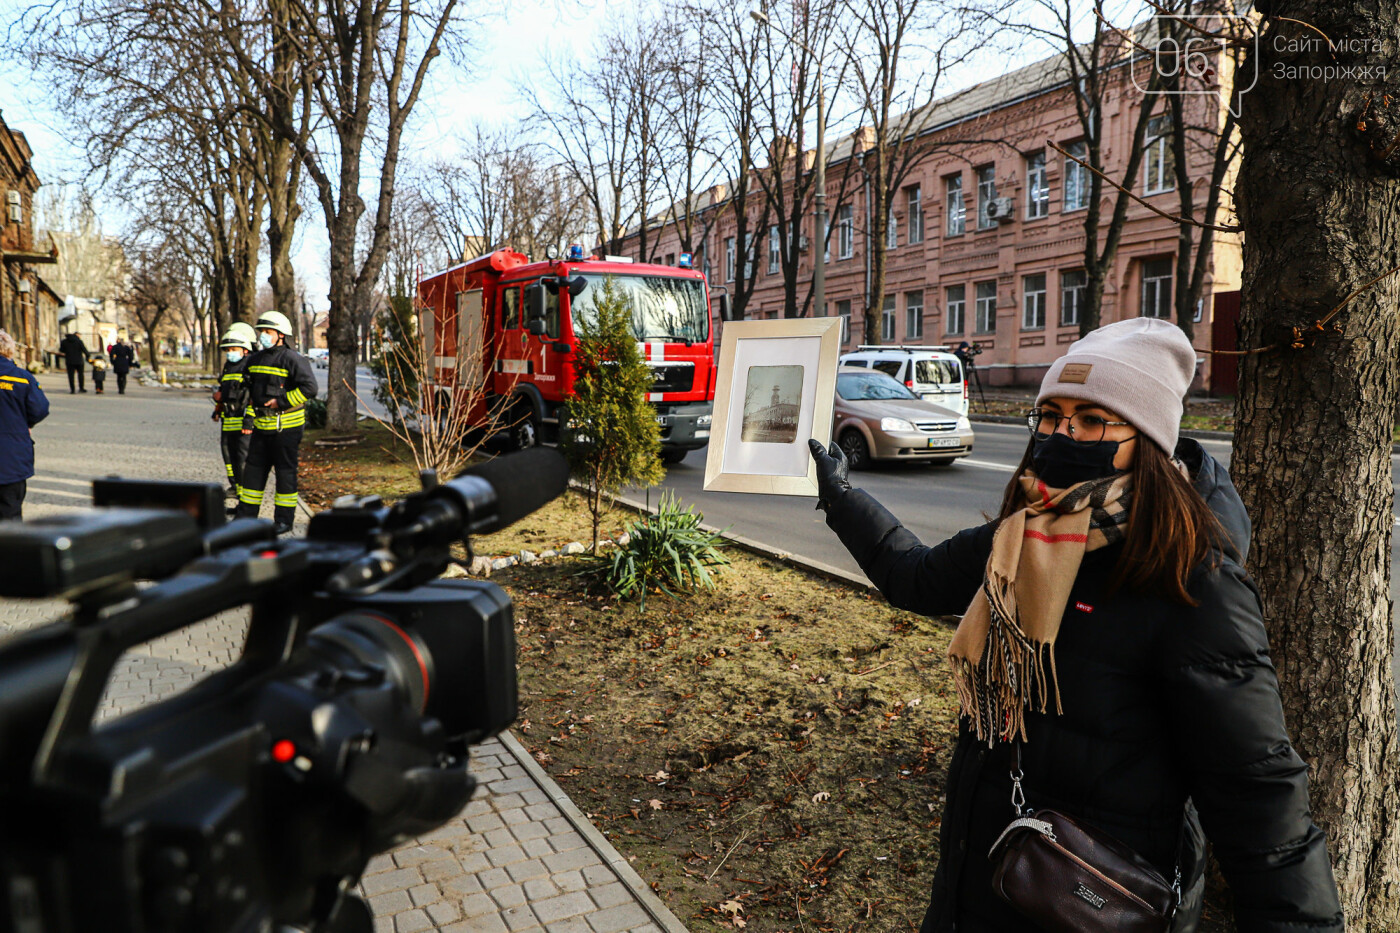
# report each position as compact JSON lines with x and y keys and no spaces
{"x":283,"y":751}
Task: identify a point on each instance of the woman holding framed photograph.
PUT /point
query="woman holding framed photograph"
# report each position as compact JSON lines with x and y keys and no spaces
{"x":1112,"y":669}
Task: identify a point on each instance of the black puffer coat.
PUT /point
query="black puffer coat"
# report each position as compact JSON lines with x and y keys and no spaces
{"x":1162,"y":702}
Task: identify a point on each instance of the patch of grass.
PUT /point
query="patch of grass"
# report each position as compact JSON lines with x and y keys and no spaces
{"x":779,"y":742}
{"x":378,"y":465}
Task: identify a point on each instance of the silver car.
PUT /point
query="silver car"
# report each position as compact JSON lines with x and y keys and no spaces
{"x":877,"y":418}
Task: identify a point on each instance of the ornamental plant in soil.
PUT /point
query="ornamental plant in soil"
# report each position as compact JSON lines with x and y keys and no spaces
{"x":668,"y":550}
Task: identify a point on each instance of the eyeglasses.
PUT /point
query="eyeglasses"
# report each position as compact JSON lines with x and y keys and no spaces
{"x":1083,"y":426}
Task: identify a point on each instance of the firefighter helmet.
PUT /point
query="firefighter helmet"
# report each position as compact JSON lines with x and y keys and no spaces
{"x":275,"y":320}
{"x":235,"y":337}
{"x":238,"y":327}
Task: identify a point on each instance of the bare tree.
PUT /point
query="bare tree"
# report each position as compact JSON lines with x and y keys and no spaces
{"x":898,"y":51}
{"x":154,"y":291}
{"x":362,"y":65}
{"x":1320,"y":293}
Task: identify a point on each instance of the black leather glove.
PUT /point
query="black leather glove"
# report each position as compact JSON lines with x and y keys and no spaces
{"x":833,"y":471}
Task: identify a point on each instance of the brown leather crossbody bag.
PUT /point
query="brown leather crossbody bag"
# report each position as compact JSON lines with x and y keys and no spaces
{"x":1069,"y":877}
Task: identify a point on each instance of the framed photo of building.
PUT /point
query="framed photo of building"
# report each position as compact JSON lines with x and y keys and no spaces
{"x":775,"y":390}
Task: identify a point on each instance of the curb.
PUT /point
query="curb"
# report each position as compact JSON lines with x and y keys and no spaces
{"x":599,"y":843}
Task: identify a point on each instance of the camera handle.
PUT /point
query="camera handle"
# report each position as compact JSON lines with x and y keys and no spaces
{"x":208,"y":586}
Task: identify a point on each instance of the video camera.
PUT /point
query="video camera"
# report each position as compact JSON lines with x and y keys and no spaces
{"x":253,"y":800}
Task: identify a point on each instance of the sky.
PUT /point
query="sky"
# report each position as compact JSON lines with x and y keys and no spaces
{"x":504,"y":52}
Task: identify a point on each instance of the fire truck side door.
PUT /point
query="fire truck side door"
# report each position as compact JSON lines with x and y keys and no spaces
{"x":471,"y":359}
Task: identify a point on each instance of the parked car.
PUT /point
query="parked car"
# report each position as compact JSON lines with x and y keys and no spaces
{"x":877,"y":418}
{"x":934,"y":374}
{"x":320,"y":357}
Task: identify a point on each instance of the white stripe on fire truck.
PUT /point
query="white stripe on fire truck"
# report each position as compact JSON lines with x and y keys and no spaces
{"x":444,"y":362}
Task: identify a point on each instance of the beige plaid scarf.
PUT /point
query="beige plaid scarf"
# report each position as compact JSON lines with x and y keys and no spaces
{"x":1006,"y":641}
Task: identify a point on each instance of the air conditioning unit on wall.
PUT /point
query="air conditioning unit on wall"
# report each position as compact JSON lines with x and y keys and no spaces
{"x":999,"y":210}
{"x":16,"y":208}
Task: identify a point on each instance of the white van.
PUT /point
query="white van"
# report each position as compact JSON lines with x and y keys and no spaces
{"x":933,"y":373}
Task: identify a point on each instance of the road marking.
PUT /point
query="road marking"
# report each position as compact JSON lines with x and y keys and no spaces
{"x":62,"y":493}
{"x":988,"y":465}
{"x":85,"y":483}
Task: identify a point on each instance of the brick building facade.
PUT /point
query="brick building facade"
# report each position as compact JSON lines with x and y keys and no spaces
{"x":28,"y":310}
{"x":986,"y":240}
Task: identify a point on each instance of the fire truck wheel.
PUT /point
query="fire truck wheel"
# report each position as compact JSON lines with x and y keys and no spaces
{"x":523,"y":434}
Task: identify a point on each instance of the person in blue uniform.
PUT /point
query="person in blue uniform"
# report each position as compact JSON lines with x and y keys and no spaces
{"x":22,"y":405}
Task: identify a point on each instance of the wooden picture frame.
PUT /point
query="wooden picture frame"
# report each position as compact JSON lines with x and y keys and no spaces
{"x":775,"y":389}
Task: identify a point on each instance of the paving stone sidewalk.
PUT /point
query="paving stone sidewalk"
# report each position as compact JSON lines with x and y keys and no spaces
{"x":520,"y":857}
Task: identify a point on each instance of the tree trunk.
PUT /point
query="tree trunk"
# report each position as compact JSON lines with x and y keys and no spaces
{"x":1313,"y":429}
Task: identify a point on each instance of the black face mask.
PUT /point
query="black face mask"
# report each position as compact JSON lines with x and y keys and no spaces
{"x":1061,"y":461}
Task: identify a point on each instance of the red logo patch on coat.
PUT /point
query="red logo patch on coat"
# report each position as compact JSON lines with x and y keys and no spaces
{"x":1084,"y":607}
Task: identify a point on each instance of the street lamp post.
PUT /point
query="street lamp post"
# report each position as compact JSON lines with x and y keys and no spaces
{"x":819,"y":197}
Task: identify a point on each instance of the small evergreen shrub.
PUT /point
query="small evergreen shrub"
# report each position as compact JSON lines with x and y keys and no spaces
{"x":668,"y":550}
{"x":315,"y":413}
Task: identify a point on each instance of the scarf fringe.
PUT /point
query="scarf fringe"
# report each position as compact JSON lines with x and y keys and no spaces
{"x":1015,"y":674}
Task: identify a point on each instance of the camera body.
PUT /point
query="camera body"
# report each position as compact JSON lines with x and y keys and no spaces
{"x":253,"y":800}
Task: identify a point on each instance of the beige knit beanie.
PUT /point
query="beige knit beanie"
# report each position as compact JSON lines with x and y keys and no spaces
{"x":1139,"y":368}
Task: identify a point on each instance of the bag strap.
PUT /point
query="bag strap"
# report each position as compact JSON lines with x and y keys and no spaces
{"x":1023,"y":821}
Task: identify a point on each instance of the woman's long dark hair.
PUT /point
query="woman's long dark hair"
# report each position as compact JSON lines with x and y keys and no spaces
{"x":1170,"y":528}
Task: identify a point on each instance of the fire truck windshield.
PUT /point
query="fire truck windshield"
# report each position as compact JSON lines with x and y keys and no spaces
{"x":663,"y":308}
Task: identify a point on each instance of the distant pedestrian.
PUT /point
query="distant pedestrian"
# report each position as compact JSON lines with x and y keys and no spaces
{"x":75,"y":356}
{"x":122,"y":358}
{"x":99,"y":372}
{"x":22,"y":405}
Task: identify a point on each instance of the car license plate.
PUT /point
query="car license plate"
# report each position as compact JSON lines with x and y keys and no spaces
{"x":945,"y":442}
{"x":663,"y":420}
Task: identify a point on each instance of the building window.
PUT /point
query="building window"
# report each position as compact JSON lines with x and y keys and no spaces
{"x":957,"y":209}
{"x":1159,"y":162}
{"x":1076,"y":178}
{"x":1074,"y":288}
{"x":1157,"y":288}
{"x":887,"y":320}
{"x":729,"y":259}
{"x":1033,"y":302}
{"x":985,"y":321}
{"x":986,"y":193}
{"x":914,"y":315}
{"x":913,"y":199}
{"x":891,"y":230}
{"x":1037,"y":191}
{"x":774,"y":248}
{"x":843,"y":311}
{"x":845,"y":233}
{"x":957,"y":308}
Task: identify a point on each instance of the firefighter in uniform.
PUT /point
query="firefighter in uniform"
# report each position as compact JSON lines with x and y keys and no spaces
{"x":231,"y":401}
{"x":279,"y":382}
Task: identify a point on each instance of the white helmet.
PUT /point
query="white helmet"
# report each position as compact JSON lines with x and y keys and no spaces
{"x":275,"y":320}
{"x":235,"y":338}
{"x":245,"y":330}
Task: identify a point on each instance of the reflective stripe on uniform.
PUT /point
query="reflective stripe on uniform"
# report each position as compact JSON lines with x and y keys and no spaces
{"x":250,"y":496}
{"x":296,"y":397}
{"x":288,"y":501}
{"x":232,"y":377}
{"x":292,"y":419}
{"x":229,"y":468}
{"x":270,"y":371}
{"x":234,"y":423}
{"x":14,"y":379}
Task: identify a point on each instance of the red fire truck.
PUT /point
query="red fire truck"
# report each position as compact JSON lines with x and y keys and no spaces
{"x":516,"y":320}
